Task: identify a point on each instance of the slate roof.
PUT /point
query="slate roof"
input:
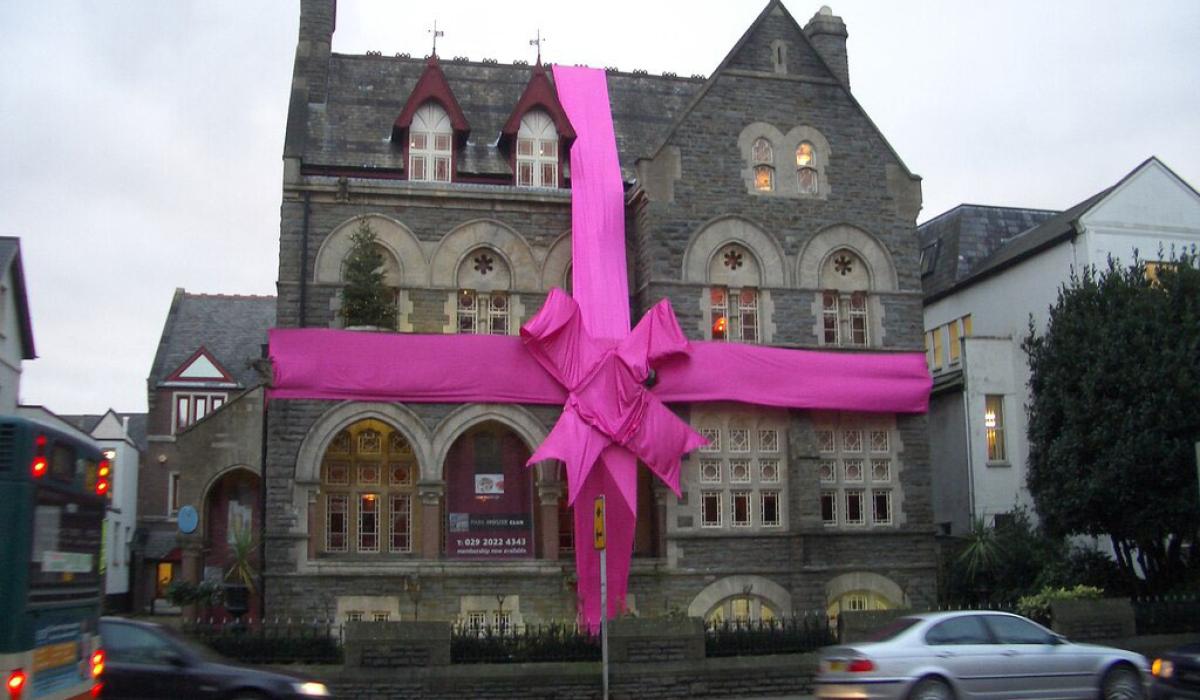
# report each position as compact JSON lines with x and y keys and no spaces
{"x":10,"y":255}
{"x":963,"y":237}
{"x":366,"y":93}
{"x":232,"y":328}
{"x":87,"y":422}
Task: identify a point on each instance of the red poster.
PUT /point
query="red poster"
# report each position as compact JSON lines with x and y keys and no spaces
{"x":489,"y":496}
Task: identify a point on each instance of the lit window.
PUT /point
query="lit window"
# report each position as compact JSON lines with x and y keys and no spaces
{"x":429,"y":141}
{"x":354,"y":615}
{"x":537,"y":151}
{"x":380,"y":616}
{"x":483,"y":313}
{"x":993,"y":421}
{"x":954,"y":346}
{"x":806,"y":170}
{"x":764,"y":166}
{"x":734,"y":314}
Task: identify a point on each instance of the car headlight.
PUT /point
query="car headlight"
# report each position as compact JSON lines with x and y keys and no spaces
{"x":1162,"y":668}
{"x":311,"y":688}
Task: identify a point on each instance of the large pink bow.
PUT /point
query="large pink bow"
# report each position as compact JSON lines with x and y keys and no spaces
{"x":608,"y":402}
{"x":609,"y":421}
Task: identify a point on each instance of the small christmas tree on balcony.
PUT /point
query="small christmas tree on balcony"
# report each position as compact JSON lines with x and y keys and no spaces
{"x":366,"y":300}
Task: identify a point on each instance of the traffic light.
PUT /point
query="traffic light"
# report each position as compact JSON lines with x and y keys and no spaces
{"x":104,"y":474}
{"x":39,"y":464}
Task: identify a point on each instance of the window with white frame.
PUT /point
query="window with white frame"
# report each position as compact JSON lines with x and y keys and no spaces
{"x":537,"y":151}
{"x":739,"y":476}
{"x":483,"y":313}
{"x":993,"y":422}
{"x":856,"y":469}
{"x":763,"y":155}
{"x":733,"y":296}
{"x":368,"y":491}
{"x":845,"y":303}
{"x":191,"y":406}
{"x":430,"y":144}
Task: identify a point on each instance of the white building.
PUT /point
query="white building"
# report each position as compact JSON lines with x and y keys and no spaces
{"x":16,"y":331}
{"x":119,"y":436}
{"x":985,"y":272}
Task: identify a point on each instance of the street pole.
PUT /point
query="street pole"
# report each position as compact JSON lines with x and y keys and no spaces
{"x":600,"y":543}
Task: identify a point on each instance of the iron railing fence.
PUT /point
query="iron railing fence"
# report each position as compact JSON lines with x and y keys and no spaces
{"x":787,"y":635}
{"x":277,"y":641}
{"x":1174,"y":614}
{"x":475,"y":644}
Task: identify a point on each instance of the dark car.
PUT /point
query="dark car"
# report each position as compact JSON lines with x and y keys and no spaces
{"x":145,"y":660}
{"x":1177,"y":674}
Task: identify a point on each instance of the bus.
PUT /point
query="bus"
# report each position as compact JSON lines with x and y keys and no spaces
{"x":53,"y":495}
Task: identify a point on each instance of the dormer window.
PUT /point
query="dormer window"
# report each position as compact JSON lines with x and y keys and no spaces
{"x":764,"y":166}
{"x":537,"y":151}
{"x":429,"y":144}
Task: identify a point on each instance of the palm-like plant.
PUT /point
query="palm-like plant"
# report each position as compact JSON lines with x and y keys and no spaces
{"x":982,"y":552}
{"x":241,"y":559}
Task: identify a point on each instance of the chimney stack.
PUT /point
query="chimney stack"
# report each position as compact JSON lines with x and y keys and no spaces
{"x":827,"y":32}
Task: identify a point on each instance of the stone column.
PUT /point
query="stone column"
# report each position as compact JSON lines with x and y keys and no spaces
{"x":661,"y":494}
{"x":431,"y":493}
{"x":548,"y":495}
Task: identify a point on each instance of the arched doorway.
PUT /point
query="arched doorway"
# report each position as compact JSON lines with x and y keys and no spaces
{"x":233,"y":526}
{"x":489,"y":495}
{"x":861,"y":591}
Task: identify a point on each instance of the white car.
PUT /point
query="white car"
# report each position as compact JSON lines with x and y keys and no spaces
{"x":977,"y":654}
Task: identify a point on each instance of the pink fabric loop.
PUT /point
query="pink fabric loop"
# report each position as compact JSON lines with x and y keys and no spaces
{"x":607,"y":403}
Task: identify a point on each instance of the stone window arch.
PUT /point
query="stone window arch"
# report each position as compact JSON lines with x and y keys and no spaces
{"x":811,"y":157}
{"x":862,"y":590}
{"x":484,"y":282}
{"x":405,"y":266}
{"x":846,"y":268}
{"x":484,"y":266}
{"x":537,"y":159}
{"x":759,"y":144}
{"x":754,"y":595}
{"x":734,"y":263}
{"x":367,"y":503}
{"x":430,"y":144}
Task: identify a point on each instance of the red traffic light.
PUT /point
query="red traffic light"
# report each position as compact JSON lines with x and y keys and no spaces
{"x":39,"y":467}
{"x":104,"y":469}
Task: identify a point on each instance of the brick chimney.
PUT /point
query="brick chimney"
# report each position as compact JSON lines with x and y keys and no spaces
{"x":827,"y":32}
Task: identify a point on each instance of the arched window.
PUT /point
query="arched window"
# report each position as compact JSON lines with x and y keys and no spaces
{"x":734,"y":297}
{"x":429,"y":144}
{"x":483,"y":305}
{"x":740,"y":610}
{"x":806,"y":169}
{"x":489,"y":495}
{"x":844,"y":309}
{"x":368,"y":501}
{"x":764,"y":166}
{"x":537,"y":151}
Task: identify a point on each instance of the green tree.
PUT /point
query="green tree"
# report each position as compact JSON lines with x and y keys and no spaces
{"x":1115,"y":400}
{"x":366,"y":300}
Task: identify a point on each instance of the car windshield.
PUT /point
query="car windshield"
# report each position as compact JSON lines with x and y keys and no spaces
{"x":891,"y":630}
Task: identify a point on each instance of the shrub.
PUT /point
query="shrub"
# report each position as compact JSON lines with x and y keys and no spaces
{"x":1037,"y":606}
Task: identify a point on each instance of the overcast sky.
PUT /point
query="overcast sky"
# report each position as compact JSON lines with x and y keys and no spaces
{"x":141,"y":142}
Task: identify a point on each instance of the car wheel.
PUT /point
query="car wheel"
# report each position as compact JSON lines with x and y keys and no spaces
{"x":931,"y":689}
{"x":1122,"y":683}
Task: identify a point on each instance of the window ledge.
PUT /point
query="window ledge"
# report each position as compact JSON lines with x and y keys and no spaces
{"x":1000,"y":463}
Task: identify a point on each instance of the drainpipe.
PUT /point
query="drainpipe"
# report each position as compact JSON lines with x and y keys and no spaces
{"x":262,"y":505}
{"x":304,"y":261}
{"x":970,"y":447}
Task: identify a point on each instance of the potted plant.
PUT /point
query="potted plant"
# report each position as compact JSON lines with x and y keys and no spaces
{"x":366,"y":300}
{"x":240,"y":576}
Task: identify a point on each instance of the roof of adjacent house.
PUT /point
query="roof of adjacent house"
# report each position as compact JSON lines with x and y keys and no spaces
{"x":233,"y":329}
{"x":87,"y":422}
{"x":10,"y":256}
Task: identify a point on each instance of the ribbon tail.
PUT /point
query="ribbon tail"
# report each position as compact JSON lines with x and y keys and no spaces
{"x":619,"y":532}
{"x":576,"y":444}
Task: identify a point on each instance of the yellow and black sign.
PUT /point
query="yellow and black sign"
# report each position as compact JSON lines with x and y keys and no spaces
{"x":599,"y":523}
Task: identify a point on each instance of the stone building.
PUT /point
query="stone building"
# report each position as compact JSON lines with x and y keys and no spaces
{"x":761,"y":200}
{"x":203,"y":440}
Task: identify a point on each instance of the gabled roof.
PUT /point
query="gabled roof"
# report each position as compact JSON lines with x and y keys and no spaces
{"x":1050,"y":231}
{"x":231,"y":329}
{"x":88,"y":422}
{"x":201,"y":367}
{"x":10,"y":259}
{"x":431,"y":85}
{"x":539,"y":92}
